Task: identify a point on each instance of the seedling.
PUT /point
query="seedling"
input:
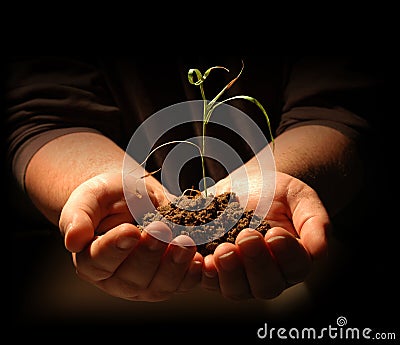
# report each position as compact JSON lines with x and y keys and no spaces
{"x":208,"y":109}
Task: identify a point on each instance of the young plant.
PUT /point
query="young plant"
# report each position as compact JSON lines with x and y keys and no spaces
{"x":208,"y":109}
{"x":210,"y":106}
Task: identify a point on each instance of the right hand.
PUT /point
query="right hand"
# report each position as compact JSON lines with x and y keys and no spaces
{"x":262,"y":267}
{"x":116,"y":256}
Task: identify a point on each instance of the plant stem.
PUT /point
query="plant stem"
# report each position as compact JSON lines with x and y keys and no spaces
{"x":203,"y":145}
{"x":208,"y":108}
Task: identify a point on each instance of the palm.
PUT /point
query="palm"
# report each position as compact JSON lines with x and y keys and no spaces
{"x":282,"y":212}
{"x":295,"y":207}
{"x":99,"y":205}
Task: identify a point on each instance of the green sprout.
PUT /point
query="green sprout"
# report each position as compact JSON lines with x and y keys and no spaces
{"x":208,"y":109}
{"x":210,"y":106}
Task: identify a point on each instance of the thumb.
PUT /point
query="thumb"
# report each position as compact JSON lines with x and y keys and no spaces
{"x":78,"y":219}
{"x":78,"y":230}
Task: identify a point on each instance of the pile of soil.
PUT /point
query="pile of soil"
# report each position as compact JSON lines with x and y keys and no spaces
{"x":206,"y":219}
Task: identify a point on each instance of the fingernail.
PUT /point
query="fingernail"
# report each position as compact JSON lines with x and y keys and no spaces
{"x":195,"y":267}
{"x":279,"y":247}
{"x":153,"y":243}
{"x":248,"y":239}
{"x":126,"y":242}
{"x":250,"y":246}
{"x":157,"y":239}
{"x":160,"y":235}
{"x":210,"y":274}
{"x":276,"y":238}
{"x":181,"y":254}
{"x":228,"y":261}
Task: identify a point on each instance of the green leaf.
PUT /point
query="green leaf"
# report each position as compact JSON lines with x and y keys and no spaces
{"x":257,"y":103}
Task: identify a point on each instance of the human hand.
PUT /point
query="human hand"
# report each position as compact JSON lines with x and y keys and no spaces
{"x":113,"y":254}
{"x":262,"y":267}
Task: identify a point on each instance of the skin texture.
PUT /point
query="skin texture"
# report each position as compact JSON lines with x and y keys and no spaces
{"x":108,"y":251}
{"x":263,"y":267}
{"x":123,"y":262}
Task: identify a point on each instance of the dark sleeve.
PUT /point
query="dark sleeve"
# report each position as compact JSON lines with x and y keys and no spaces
{"x":47,"y":97}
{"x":339,"y":92}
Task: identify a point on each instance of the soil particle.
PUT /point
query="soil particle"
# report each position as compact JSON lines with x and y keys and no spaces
{"x":209,"y":220}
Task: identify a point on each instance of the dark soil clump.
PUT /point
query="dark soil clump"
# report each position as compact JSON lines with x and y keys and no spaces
{"x":206,"y":219}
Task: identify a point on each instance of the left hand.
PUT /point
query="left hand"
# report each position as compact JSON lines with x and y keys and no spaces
{"x":111,"y":253}
{"x":263,"y":267}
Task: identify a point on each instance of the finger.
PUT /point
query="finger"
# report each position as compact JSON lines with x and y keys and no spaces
{"x":292,"y":258}
{"x":312,"y":223}
{"x":209,"y":279}
{"x":113,"y":220}
{"x":193,"y":274}
{"x":314,"y":235}
{"x":78,"y":230}
{"x":264,"y":276}
{"x":174,"y":265}
{"x":232,"y":277}
{"x":106,"y":253}
{"x":83,"y":211}
{"x":138,"y":270}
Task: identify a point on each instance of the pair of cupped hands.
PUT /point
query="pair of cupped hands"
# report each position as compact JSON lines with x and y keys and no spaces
{"x":110,"y":252}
